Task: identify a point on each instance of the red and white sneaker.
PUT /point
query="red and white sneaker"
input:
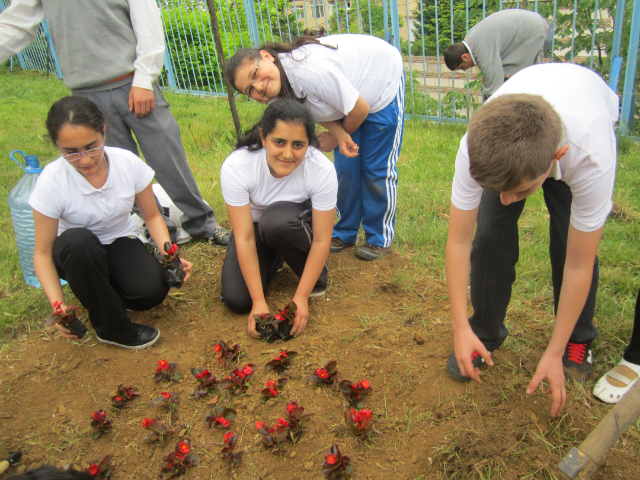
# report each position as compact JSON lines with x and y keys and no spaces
{"x":578,"y":360}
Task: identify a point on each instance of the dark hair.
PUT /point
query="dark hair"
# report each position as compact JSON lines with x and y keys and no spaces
{"x":453,"y":55}
{"x":232,"y":64}
{"x":47,"y":472}
{"x":74,"y":111}
{"x":286,"y":110}
{"x":512,"y":139}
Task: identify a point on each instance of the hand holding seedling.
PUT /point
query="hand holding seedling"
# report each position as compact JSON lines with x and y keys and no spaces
{"x":465,"y":344}
{"x":259,"y":308}
{"x":65,"y":320}
{"x":550,"y":368}
{"x":302,"y":315}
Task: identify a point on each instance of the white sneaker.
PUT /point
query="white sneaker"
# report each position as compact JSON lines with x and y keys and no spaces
{"x":608,"y":393}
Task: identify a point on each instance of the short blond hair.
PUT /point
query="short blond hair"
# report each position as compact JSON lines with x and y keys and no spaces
{"x":512,"y":139}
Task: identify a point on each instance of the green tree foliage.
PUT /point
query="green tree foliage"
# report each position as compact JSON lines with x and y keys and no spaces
{"x":360,"y":23}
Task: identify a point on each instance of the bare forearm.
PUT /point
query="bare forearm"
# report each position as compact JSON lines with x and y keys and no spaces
{"x":49,"y":278}
{"x":335,"y":127}
{"x":316,"y":260}
{"x":158,"y":231}
{"x":457,"y":266}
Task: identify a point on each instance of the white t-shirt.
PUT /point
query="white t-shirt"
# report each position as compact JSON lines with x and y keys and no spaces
{"x":245,"y":179}
{"x":62,"y":192}
{"x":588,"y":109}
{"x":332,"y":79}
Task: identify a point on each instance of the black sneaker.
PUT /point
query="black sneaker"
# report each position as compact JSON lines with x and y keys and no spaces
{"x":454,"y":371}
{"x":220,"y":236}
{"x":578,"y":361}
{"x":146,"y":336}
{"x":318,"y":292}
{"x":370,"y":252}
{"x":338,"y":245}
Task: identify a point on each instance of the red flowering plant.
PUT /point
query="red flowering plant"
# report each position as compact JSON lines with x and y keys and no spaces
{"x":354,"y":392}
{"x":167,"y":400}
{"x":99,"y":423}
{"x":228,"y":455}
{"x":177,"y":462}
{"x":207,"y":381}
{"x":221,"y":417}
{"x":67,"y":319}
{"x":166,"y":372}
{"x":226,"y":354}
{"x":123,"y":395}
{"x":272,"y":437}
{"x":238,"y":380}
{"x":102,"y":469}
{"x":359,"y":423}
{"x":327,"y":374}
{"x":336,"y":466}
{"x":172,"y":266}
{"x":158,"y":430}
{"x":295,"y":415}
{"x":266,"y":327}
{"x":284,"y":321}
{"x":281,"y":362}
{"x":273,"y":388}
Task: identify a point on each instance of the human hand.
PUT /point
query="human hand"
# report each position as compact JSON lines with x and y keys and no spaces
{"x":302,"y":315}
{"x":327,"y":141}
{"x":186,"y":266}
{"x":550,"y":368}
{"x":465,"y":343}
{"x":347,"y":146}
{"x":259,"y":308}
{"x":64,"y":333}
{"x":141,"y":101}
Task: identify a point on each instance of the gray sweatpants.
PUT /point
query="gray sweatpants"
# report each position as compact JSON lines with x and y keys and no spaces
{"x":158,"y":135}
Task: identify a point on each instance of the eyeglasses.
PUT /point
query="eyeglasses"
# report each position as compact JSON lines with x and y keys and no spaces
{"x":75,"y":156}
{"x":254,"y":73}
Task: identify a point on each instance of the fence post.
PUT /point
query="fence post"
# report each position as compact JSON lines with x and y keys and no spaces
{"x":171,"y":79}
{"x":252,"y":23}
{"x":52,"y":49}
{"x":617,"y":34}
{"x":630,"y":73}
{"x":395,"y":24}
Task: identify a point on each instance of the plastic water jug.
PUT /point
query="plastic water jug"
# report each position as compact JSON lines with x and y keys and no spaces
{"x":22,"y":215}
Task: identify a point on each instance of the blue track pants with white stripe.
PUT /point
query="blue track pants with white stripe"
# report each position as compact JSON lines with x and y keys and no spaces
{"x":368,"y":183}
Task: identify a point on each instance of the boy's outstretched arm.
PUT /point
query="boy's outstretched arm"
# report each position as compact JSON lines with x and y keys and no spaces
{"x":457,"y":264}
{"x":578,"y":271}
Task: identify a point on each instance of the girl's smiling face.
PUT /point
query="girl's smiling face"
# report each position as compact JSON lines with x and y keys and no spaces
{"x":286,"y":146}
{"x":79,"y":139}
{"x":259,"y":79}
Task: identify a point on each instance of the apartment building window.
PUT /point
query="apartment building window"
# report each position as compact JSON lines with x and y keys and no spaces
{"x":317,"y":9}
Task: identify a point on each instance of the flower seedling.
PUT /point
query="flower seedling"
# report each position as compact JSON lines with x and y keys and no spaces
{"x":281,"y":361}
{"x":167,"y":400}
{"x":238,"y":380}
{"x":266,"y":327}
{"x":273,"y":388}
{"x":354,"y":392}
{"x":336,"y":466}
{"x":172,"y":266}
{"x":284,"y":321}
{"x":359,"y":423}
{"x":100,"y":423}
{"x":158,"y":430}
{"x":177,"y":462}
{"x":225,"y":354}
{"x":166,"y":372}
{"x":230,"y":439}
{"x":207,"y":381}
{"x":102,"y":469}
{"x":272,"y":437}
{"x":221,"y":417}
{"x":327,"y":374}
{"x":123,"y":395}
{"x":295,"y":415}
{"x":67,"y":319}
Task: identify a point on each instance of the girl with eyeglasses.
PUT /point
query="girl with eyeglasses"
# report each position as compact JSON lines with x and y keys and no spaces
{"x":84,"y":232}
{"x":280,"y":193}
{"x":354,"y":87}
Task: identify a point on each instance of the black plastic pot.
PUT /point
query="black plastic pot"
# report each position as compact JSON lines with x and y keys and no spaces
{"x":174,"y":273}
{"x":76,"y":327}
{"x":267,"y":333}
{"x":284,"y":331}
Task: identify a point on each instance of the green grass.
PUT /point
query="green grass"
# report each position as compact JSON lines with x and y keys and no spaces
{"x":425,"y":167}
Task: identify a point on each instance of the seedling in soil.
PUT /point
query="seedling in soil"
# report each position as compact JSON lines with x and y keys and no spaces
{"x":207,"y":383}
{"x":295,"y":415}
{"x":177,"y":462}
{"x":167,"y":400}
{"x":123,"y":395}
{"x":225,"y":354}
{"x":284,"y":321}
{"x":100,"y":424}
{"x":273,"y":388}
{"x":327,"y":374}
{"x":355,"y":392}
{"x":238,"y":380}
{"x":102,"y":469}
{"x":158,"y":430}
{"x":166,"y":372}
{"x":221,"y":417}
{"x":230,"y":439}
{"x":359,"y":423}
{"x":266,"y":327}
{"x":274,"y":436}
{"x":336,"y":466}
{"x":67,"y":319}
{"x":172,"y":266}
{"x":281,"y":362}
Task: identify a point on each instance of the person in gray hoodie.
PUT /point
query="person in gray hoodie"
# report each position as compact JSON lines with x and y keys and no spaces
{"x":500,"y":46}
{"x":111,"y":52}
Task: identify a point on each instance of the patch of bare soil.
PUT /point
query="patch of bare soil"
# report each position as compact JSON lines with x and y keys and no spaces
{"x":385,"y":321}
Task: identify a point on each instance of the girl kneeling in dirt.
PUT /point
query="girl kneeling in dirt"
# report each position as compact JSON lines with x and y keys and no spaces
{"x":84,"y":231}
{"x":280,"y":193}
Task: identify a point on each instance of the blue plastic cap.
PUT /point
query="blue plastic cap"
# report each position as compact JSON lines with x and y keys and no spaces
{"x":32,"y":162}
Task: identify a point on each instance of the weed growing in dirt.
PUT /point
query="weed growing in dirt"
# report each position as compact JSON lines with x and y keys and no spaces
{"x":177,"y":462}
{"x":273,"y":388}
{"x":220,"y":417}
{"x":238,"y":380}
{"x":166,"y":372}
{"x":170,"y":401}
{"x":327,"y":374}
{"x":123,"y":395}
{"x":336,"y":466}
{"x":272,"y":437}
{"x":359,"y":423}
{"x":102,"y":469}
{"x":295,"y":415}
{"x":281,"y":362}
{"x":100,"y":424}
{"x":67,"y":319}
{"x":158,"y":430}
{"x":207,"y":382}
{"x":354,"y":392}
{"x":225,"y":354}
{"x":228,"y":455}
